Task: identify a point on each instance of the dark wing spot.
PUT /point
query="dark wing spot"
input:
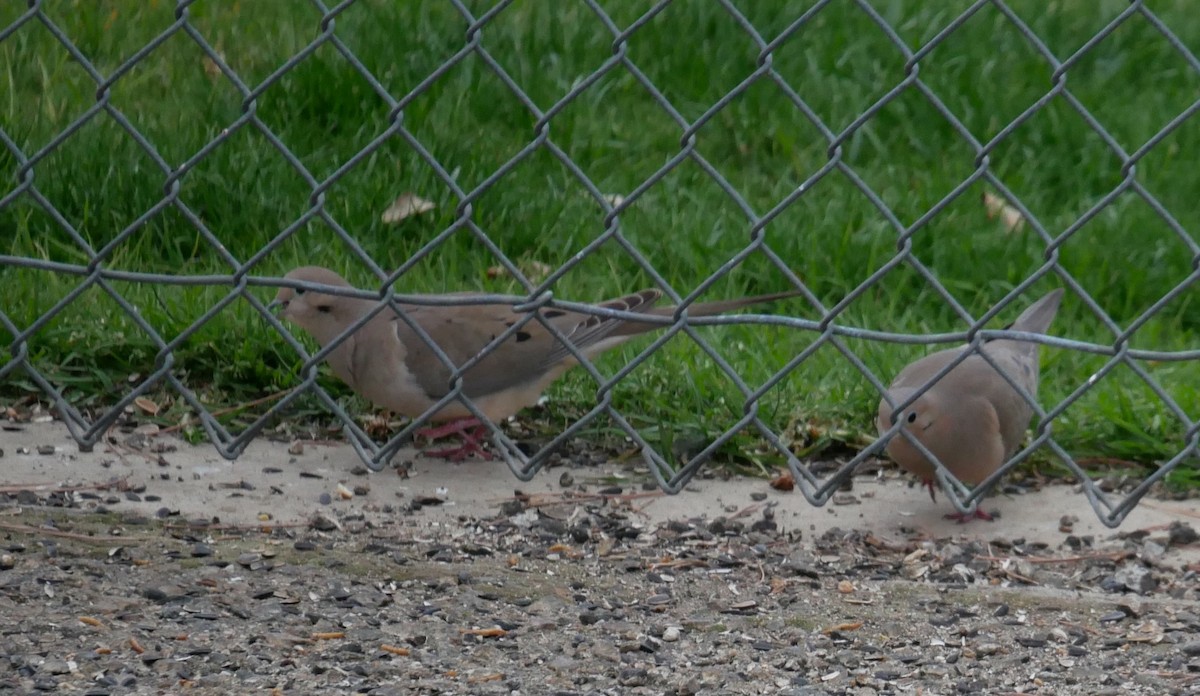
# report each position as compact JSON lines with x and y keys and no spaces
{"x":523,"y":336}
{"x":551,"y":313}
{"x":324,"y":309}
{"x":509,"y":323}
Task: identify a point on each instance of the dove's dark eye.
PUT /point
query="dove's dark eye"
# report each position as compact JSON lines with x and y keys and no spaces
{"x":912,"y":417}
{"x":299,"y":292}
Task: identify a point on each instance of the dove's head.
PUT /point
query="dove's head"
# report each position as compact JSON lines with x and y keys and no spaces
{"x":921,"y":418}
{"x":321,"y":315}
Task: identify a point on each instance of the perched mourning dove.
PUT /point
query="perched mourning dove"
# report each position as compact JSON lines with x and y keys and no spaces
{"x":971,"y":419}
{"x":386,"y":361}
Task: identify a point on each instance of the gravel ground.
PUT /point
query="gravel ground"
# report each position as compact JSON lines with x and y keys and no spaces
{"x":574,"y":593}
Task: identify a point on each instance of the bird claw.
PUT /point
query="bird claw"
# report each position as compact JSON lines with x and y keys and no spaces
{"x":965,"y":517}
{"x":960,"y":517}
{"x":455,"y":427}
{"x":458,"y":454}
{"x":471,"y":431}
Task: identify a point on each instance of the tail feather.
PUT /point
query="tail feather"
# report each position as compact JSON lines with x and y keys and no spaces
{"x":700,"y":309}
{"x":1037,"y":318}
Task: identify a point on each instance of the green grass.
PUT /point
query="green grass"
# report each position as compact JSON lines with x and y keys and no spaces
{"x":986,"y":73}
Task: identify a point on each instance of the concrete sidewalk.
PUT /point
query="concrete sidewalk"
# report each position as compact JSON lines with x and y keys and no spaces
{"x":267,"y":480}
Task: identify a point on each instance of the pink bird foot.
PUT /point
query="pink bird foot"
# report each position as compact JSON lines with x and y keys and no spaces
{"x":470,"y":430}
{"x":961,"y":518}
{"x":454,"y":427}
{"x":964,"y":518}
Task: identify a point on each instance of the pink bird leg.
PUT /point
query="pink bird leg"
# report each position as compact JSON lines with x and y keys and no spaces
{"x":470,"y":430}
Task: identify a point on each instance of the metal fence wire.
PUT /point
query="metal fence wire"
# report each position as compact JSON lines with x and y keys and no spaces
{"x":245,"y":285}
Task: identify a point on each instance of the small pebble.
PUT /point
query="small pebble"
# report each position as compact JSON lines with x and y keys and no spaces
{"x":248,"y":559}
{"x":1131,"y":606}
{"x":1181,"y":534}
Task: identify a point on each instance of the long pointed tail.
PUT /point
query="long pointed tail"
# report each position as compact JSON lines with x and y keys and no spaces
{"x":702,"y":309}
{"x":1037,"y":318}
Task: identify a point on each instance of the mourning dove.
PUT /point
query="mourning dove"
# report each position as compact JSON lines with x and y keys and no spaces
{"x":386,"y":362}
{"x":971,"y":419}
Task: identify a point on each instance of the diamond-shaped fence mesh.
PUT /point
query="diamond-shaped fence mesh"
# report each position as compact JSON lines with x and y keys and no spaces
{"x":828,"y":94}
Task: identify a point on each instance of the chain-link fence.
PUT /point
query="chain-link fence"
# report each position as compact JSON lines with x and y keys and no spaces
{"x":245,"y":279}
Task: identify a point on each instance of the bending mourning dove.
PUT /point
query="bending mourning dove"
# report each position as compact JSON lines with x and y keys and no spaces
{"x":971,"y":419}
{"x":386,"y":362}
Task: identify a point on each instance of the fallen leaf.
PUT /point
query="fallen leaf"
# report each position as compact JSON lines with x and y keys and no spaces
{"x":377,"y":426}
{"x":91,"y":621}
{"x":1010,"y":216}
{"x":853,"y":626}
{"x":879,"y":543}
{"x":147,"y":405}
{"x":407,"y":205}
{"x":783,"y":482}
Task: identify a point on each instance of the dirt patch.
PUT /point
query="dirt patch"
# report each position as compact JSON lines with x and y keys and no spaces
{"x":558,"y":596}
